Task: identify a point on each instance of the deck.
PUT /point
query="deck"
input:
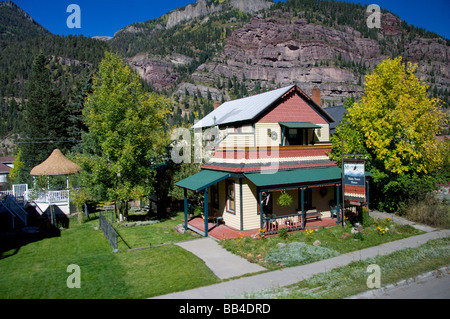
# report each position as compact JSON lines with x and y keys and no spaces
{"x":220,"y":232}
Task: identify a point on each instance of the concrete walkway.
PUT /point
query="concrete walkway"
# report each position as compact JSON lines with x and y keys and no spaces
{"x":222,"y":263}
{"x":400,"y":220}
{"x":293,"y":275}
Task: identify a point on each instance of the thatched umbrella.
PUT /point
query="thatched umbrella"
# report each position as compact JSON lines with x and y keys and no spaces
{"x":56,"y":164}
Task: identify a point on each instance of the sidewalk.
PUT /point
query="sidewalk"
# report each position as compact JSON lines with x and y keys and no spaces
{"x":222,"y":263}
{"x":293,"y":275}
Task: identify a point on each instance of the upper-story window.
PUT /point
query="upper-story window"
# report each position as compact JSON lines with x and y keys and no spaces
{"x":300,"y":137}
{"x":299,"y":133}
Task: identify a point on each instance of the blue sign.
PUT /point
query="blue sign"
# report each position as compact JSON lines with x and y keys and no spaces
{"x":354,"y":174}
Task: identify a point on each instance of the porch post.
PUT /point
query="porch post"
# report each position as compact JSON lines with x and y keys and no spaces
{"x":205,"y":211}
{"x":241,"y":205}
{"x":303,"y":207}
{"x":185,"y":209}
{"x":261,"y":209}
{"x":367,"y":193}
{"x":338,"y":202}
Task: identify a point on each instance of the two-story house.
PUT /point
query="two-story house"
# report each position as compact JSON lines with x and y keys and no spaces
{"x":266,"y":146}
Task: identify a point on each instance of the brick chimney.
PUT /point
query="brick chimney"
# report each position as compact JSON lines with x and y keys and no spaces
{"x":216,"y":104}
{"x":316,"y":95}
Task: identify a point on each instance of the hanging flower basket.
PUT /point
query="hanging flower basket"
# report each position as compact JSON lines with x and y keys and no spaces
{"x":285,"y":199}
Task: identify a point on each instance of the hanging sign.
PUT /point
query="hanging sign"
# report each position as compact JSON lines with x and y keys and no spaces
{"x":354,"y":180}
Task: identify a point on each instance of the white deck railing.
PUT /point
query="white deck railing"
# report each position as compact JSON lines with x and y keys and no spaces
{"x":6,"y":192}
{"x":53,"y":197}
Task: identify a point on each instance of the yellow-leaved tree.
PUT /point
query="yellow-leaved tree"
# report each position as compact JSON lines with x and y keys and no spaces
{"x":395,"y":124}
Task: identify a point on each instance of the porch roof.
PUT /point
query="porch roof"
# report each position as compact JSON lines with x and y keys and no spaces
{"x":299,"y":125}
{"x":293,"y":177}
{"x":202,"y":180}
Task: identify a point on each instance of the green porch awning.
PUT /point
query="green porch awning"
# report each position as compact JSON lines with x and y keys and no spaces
{"x":202,"y":180}
{"x":299,"y":176}
{"x":299,"y":125}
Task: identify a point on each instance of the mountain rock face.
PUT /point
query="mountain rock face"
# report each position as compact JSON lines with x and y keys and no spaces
{"x":311,"y":43}
{"x":159,"y":73}
{"x":203,"y":7}
{"x":283,"y":51}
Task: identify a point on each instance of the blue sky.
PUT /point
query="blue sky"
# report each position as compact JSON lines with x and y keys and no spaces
{"x":105,"y":17}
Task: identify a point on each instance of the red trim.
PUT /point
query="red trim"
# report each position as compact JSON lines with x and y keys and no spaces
{"x":263,"y":153}
{"x":268,"y":168}
{"x":349,"y":189}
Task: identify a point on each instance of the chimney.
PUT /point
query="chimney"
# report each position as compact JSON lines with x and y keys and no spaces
{"x":316,"y":95}
{"x":216,"y":104}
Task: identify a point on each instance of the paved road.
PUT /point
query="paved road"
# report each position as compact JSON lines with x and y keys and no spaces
{"x":432,"y":288}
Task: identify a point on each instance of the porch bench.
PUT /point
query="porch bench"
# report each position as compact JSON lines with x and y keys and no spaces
{"x":314,"y":215}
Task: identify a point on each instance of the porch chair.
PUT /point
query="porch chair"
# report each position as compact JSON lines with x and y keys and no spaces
{"x":335,"y":211}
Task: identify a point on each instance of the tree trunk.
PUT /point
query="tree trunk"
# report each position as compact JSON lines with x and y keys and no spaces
{"x":125,"y":209}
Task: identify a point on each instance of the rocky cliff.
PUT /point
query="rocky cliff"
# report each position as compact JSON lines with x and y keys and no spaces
{"x":279,"y":47}
{"x":202,"y":8}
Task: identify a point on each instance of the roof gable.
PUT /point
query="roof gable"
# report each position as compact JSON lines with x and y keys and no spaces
{"x":250,"y":108}
{"x":244,"y":109}
{"x":295,"y":106}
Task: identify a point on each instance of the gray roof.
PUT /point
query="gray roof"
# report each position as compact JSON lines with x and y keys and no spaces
{"x":337,"y":112}
{"x":244,"y":109}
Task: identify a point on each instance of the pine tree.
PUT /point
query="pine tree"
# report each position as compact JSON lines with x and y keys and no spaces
{"x":45,"y":118}
{"x":75,"y":107}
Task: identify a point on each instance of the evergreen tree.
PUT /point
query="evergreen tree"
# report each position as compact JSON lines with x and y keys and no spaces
{"x":45,"y":118}
{"x":75,"y":107}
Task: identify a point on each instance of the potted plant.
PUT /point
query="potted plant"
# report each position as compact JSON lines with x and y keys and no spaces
{"x":285,"y":199}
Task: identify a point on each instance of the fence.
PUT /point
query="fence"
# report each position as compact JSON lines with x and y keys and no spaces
{"x":18,"y":190}
{"x":109,"y":231}
{"x":290,"y":222}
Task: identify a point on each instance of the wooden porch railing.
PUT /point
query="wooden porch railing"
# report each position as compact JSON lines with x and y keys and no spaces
{"x":291,"y":222}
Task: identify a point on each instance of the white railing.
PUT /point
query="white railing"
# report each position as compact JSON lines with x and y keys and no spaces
{"x":18,"y":190}
{"x":53,"y":197}
{"x":6,"y":193}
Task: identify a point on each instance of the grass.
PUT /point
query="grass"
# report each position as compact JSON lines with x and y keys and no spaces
{"x":156,"y":234}
{"x":38,"y":270}
{"x":336,"y":239}
{"x":350,"y":280}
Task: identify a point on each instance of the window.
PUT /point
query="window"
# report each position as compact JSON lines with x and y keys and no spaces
{"x":231,"y":203}
{"x":299,"y":136}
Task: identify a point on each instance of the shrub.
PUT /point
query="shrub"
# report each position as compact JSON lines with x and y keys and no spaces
{"x":283,"y":233}
{"x":431,"y":211}
{"x":299,"y":253}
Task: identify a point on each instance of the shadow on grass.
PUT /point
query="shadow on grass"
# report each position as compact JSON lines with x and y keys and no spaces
{"x":39,"y":227}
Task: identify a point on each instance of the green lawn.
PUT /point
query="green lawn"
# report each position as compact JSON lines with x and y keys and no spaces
{"x":156,"y":234}
{"x":39,"y":269}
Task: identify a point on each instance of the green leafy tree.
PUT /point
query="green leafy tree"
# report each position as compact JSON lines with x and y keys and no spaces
{"x":395,"y":124}
{"x":127,"y":135}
